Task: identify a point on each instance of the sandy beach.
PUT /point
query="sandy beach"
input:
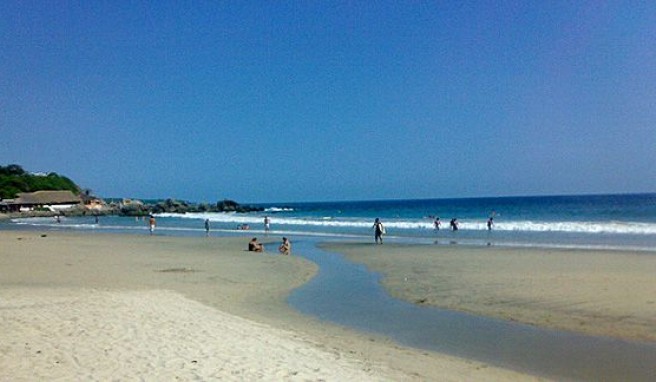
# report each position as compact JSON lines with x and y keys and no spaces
{"x":606,"y":293}
{"x":128,"y":307}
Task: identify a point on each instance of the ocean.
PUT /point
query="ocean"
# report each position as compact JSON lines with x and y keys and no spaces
{"x":620,"y":222}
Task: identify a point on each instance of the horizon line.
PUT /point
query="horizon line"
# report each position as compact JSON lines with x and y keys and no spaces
{"x":398,"y":199}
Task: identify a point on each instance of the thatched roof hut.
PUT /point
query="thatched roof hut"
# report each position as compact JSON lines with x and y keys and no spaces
{"x":48,"y":199}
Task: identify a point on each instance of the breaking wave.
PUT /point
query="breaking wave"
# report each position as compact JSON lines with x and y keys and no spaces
{"x":586,"y":227}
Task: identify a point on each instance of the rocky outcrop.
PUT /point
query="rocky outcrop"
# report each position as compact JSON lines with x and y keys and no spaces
{"x":129,"y":207}
{"x":232,"y":206}
{"x":181,"y":207}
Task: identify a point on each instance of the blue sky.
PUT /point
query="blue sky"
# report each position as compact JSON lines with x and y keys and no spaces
{"x":313,"y":101}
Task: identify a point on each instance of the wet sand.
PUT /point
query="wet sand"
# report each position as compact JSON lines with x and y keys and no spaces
{"x":100,"y":306}
{"x":605,"y":293}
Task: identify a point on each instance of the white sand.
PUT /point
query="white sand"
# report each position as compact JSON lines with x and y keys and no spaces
{"x":157,"y":335}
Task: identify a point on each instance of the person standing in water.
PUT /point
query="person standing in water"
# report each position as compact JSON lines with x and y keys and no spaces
{"x":490,"y":223}
{"x":437,"y":223}
{"x":454,"y":224}
{"x":151,"y":224}
{"x":207,"y":227}
{"x":379,"y":231}
{"x":267,"y":224}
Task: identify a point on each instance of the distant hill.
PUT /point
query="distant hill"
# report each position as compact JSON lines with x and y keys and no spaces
{"x":13,"y":179}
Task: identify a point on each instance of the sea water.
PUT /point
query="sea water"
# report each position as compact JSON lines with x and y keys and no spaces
{"x":591,"y":221}
{"x":600,"y":221}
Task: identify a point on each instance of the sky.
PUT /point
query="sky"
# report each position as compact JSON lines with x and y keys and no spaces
{"x":331,"y":100}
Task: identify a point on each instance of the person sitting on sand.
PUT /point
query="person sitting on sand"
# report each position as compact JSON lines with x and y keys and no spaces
{"x":286,"y":247}
{"x":254,"y":246}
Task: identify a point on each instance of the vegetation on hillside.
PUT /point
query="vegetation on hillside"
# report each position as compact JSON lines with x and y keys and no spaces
{"x":13,"y":179}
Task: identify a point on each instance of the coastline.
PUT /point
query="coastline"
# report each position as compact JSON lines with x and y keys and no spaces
{"x":594,"y":292}
{"x":78,"y":305}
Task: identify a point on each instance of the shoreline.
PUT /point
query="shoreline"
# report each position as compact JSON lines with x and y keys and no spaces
{"x":593,"y":292}
{"x":55,"y":288}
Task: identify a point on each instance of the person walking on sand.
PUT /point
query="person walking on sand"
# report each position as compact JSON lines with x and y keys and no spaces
{"x":151,"y":224}
{"x":379,"y":231}
{"x":286,"y":247}
{"x":207,"y":227}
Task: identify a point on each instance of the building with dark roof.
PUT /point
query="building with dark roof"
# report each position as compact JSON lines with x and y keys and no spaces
{"x":49,"y":200}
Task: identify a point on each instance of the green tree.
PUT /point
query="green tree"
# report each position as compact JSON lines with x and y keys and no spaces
{"x":13,"y":179}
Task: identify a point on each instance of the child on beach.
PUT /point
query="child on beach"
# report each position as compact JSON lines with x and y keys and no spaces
{"x":286,"y":247}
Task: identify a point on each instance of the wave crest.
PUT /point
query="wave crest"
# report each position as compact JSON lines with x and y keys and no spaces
{"x":588,"y":227}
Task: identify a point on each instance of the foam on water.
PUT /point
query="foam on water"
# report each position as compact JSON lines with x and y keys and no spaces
{"x":589,"y":227}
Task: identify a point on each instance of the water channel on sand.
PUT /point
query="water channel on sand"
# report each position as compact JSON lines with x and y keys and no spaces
{"x":348,"y":294}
